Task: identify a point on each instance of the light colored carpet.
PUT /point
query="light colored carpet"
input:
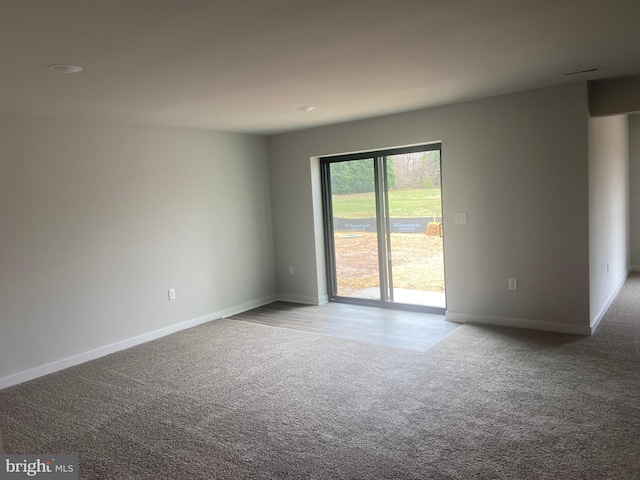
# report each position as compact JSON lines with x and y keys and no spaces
{"x":234,"y":400}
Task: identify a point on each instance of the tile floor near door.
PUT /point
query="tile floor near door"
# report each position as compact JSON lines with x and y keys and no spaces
{"x":407,"y":296}
{"x":394,"y":328}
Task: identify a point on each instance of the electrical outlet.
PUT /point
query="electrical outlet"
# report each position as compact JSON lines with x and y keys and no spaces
{"x":460,"y":218}
{"x":172,"y":294}
{"x":291,"y":270}
{"x":513,"y":284}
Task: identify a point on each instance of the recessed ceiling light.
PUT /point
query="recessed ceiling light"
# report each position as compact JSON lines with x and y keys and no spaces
{"x":64,"y":68}
{"x":306,"y":108}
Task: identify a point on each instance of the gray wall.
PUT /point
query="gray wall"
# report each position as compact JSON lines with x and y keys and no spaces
{"x":634,"y":190}
{"x":100,"y":219}
{"x":608,"y":210}
{"x":517,"y":164}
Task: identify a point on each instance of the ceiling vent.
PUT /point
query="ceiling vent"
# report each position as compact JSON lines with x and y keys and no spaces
{"x":581,"y":72}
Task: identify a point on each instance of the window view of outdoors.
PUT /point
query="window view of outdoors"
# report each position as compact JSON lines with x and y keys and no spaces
{"x":415,"y":229}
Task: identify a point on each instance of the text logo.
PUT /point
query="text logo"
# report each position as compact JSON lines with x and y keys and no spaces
{"x":44,"y":466}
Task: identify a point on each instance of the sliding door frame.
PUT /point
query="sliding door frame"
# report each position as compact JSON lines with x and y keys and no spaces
{"x":379,"y":158}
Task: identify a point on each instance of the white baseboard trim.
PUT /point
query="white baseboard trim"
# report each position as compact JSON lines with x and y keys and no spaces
{"x":518,"y":323}
{"x":598,"y":318}
{"x":229,"y":312}
{"x":74,"y":360}
{"x":285,"y":297}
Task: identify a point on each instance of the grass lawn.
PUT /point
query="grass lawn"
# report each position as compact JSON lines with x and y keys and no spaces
{"x":417,"y":262}
{"x":423,"y":202}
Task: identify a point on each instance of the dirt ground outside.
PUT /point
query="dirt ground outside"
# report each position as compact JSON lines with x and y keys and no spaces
{"x":417,"y":261}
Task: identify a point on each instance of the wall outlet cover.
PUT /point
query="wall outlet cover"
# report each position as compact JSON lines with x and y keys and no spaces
{"x":461,"y":218}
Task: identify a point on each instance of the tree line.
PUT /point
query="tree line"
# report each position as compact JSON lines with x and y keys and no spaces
{"x":409,"y":170}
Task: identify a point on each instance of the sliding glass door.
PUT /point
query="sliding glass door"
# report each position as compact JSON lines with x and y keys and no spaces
{"x":383,"y":228}
{"x":355,"y":230}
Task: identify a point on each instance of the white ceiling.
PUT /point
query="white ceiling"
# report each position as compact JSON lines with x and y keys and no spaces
{"x":245,"y":65}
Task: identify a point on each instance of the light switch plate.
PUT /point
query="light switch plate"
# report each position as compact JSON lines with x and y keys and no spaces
{"x":461,"y":218}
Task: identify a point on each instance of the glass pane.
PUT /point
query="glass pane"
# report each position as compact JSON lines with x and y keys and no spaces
{"x":354,"y":229}
{"x":415,"y":221}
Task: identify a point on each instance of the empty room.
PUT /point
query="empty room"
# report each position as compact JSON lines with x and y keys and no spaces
{"x":291,"y":239}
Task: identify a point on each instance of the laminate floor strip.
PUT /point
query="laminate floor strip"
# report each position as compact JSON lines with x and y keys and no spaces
{"x":394,"y":328}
